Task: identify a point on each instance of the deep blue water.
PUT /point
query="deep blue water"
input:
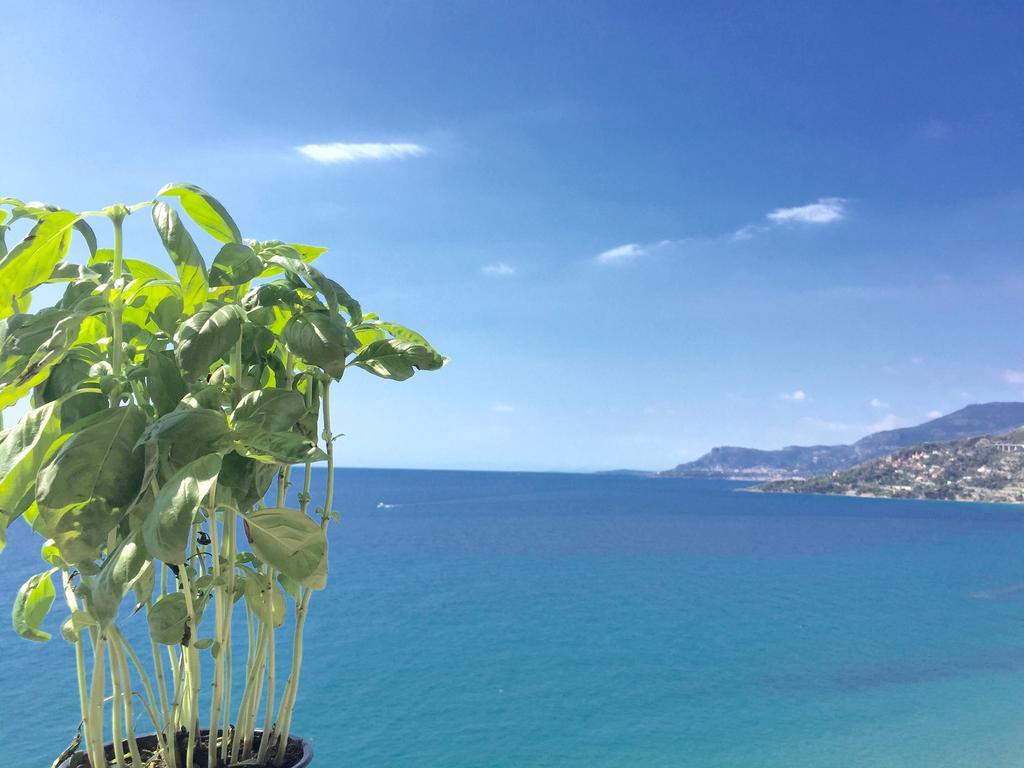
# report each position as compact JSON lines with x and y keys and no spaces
{"x":504,"y":619}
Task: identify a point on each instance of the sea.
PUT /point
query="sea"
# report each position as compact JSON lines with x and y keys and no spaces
{"x":520,"y":620}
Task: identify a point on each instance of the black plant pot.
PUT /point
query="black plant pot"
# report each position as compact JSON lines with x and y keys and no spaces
{"x":149,"y":742}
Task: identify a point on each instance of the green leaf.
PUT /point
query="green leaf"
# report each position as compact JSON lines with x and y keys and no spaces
{"x":267,"y":602}
{"x":321,"y":339}
{"x":97,"y":463}
{"x":22,"y":452}
{"x":168,"y":620}
{"x":145,"y":582}
{"x":80,"y":531}
{"x":186,"y":434}
{"x":166,"y":530}
{"x":279,"y":447}
{"x":247,"y":479}
{"x":236,"y":264}
{"x":32,"y":260}
{"x":270,"y":410}
{"x":206,"y":337}
{"x":31,"y":605}
{"x":164,"y":382}
{"x":287,"y":540}
{"x":143,"y":270}
{"x":116,"y":577}
{"x":185,"y":255}
{"x":66,"y":375}
{"x":397,"y":359}
{"x":50,"y":553}
{"x":32,"y":346}
{"x":83,"y":228}
{"x":72,"y":628}
{"x":402,"y":333}
{"x":204,"y":210}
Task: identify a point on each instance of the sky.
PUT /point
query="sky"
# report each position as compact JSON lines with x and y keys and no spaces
{"x":638,"y":230}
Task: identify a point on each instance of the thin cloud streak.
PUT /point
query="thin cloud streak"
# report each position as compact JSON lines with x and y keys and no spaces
{"x":621,"y":253}
{"x":338,"y":152}
{"x":500,"y":269}
{"x":824,"y":211}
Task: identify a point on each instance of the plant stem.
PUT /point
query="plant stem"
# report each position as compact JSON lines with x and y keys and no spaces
{"x":147,"y":685}
{"x":302,"y":609}
{"x":115,"y":708}
{"x":230,"y":532}
{"x":222,"y":637}
{"x":268,"y":723}
{"x":96,"y":700}
{"x":192,"y":668}
{"x":253,"y":692}
{"x":117,"y":305}
{"x":119,"y":670}
{"x":83,"y":686}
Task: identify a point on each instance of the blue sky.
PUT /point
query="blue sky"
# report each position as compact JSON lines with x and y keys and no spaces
{"x":638,"y":230}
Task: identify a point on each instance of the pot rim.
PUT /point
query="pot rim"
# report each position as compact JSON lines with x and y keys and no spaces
{"x":304,"y":761}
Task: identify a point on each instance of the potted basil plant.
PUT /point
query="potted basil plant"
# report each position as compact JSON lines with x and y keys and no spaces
{"x":165,"y":415}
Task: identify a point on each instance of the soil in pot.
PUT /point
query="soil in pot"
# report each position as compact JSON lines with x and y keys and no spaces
{"x":147,"y":746}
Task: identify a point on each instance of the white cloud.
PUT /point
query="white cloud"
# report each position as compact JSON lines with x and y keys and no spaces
{"x":500,"y":269}
{"x":621,"y":253}
{"x":876,"y":403}
{"x":1013,"y":377}
{"x":934,"y":414}
{"x":796,"y":396}
{"x":503,"y":408}
{"x":354,"y":153}
{"x":825,"y":211}
{"x":746,"y":233}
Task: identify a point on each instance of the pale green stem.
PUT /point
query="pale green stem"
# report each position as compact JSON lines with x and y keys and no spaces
{"x":219,"y":638}
{"x":302,"y":610}
{"x":96,"y":698}
{"x":230,"y":532}
{"x":117,"y":735}
{"x":244,"y":729}
{"x":193,"y":669}
{"x":268,"y":723}
{"x":150,"y":700}
{"x":83,"y":685}
{"x":234,"y":754}
{"x":161,"y":682}
{"x":119,"y":666}
{"x":116,"y":307}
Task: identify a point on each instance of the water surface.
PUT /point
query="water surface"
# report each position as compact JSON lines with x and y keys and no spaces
{"x":504,"y":619}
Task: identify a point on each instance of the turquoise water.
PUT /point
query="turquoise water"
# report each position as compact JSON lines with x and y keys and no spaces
{"x":501,"y":619}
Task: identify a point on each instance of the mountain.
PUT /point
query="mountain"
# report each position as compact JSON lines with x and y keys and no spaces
{"x":989,"y":469}
{"x":808,"y":461}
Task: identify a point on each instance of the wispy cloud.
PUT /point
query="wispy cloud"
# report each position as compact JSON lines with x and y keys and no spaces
{"x":499,"y":269}
{"x":934,"y":414}
{"x":876,"y":403}
{"x":339,"y":152}
{"x":824,"y":211}
{"x":796,"y":396}
{"x":1013,"y":377}
{"x":621,"y":253}
{"x":503,"y":408}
